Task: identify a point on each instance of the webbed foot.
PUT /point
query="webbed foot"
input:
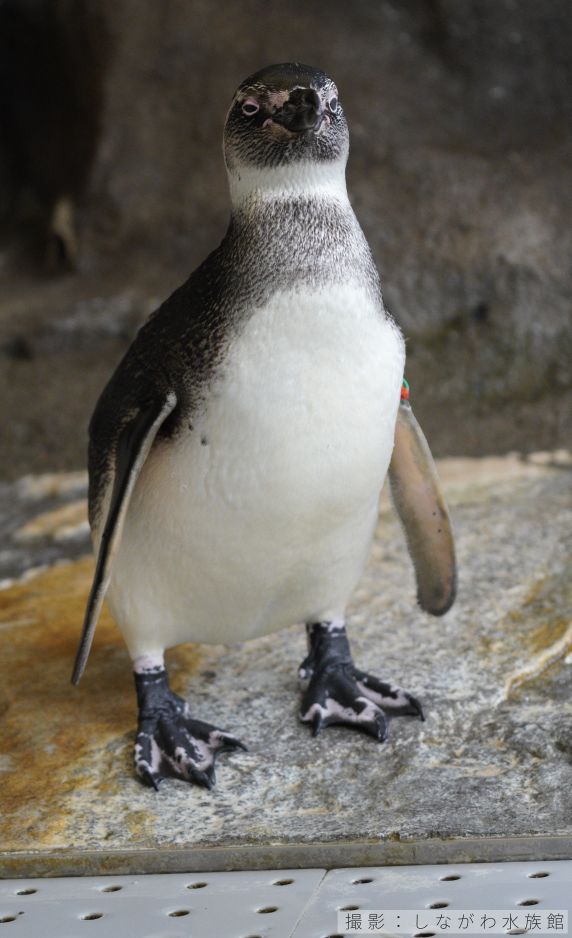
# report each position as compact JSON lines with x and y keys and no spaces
{"x":170,"y":742}
{"x":333,"y":696}
{"x":336,"y":692}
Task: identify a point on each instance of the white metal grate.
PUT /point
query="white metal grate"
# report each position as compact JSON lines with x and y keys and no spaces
{"x":464,"y":886}
{"x":271,"y":904}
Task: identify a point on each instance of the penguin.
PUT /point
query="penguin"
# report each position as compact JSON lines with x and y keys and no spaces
{"x":237,"y":454}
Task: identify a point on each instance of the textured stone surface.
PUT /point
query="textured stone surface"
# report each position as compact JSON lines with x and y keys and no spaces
{"x":42,"y":520}
{"x":487,"y":775}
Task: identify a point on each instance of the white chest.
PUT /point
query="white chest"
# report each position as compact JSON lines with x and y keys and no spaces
{"x":263,"y":514}
{"x":304,"y":413}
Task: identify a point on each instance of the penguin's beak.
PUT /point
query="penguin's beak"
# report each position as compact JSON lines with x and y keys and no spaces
{"x":301,"y":112}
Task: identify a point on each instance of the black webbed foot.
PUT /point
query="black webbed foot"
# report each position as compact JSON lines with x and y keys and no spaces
{"x":336,"y":692}
{"x":170,"y":742}
{"x":333,"y":697}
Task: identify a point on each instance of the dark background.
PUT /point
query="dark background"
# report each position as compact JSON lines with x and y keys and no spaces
{"x":112,"y":188}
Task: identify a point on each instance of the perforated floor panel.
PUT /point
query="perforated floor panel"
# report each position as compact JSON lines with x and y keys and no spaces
{"x":270,"y":904}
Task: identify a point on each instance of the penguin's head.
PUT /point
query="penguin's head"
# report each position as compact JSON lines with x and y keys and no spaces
{"x":284,"y":115}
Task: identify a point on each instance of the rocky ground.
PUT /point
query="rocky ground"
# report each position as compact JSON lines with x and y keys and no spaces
{"x":485,"y":777}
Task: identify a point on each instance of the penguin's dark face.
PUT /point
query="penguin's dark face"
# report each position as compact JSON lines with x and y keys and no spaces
{"x":285,"y":114}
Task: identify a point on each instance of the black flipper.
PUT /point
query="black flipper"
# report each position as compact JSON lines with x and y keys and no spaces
{"x":423,"y":512}
{"x":133,"y":447}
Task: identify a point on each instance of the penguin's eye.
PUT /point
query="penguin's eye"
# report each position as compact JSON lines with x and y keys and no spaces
{"x":333,"y":105}
{"x":250,"y":107}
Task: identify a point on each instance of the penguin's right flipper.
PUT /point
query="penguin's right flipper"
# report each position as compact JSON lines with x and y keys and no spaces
{"x":133,"y":446}
{"x":421,"y":506}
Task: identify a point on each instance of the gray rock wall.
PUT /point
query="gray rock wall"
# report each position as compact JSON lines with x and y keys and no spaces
{"x":460,"y":161}
{"x":459,"y":172}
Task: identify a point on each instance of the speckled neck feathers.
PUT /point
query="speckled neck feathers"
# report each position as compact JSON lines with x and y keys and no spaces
{"x":294,"y":226}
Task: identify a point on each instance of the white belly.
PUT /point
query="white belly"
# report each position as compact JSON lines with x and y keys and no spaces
{"x":263,"y":515}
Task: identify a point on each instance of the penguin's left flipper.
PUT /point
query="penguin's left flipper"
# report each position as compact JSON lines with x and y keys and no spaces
{"x":133,"y":446}
{"x":421,"y":506}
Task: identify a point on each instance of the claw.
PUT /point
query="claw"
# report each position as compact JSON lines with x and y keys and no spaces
{"x":229,"y":743}
{"x":418,"y":709}
{"x":317,"y":723}
{"x":380,"y":723}
{"x":206,"y":779}
{"x":149,"y":778}
{"x":394,"y":701}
